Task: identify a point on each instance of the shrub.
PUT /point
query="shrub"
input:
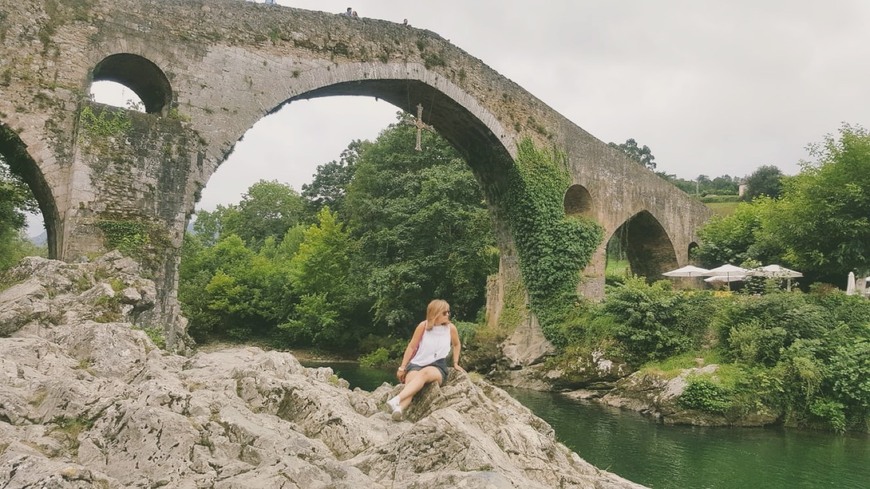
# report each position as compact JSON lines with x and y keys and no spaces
{"x":377,"y":358}
{"x":851,"y":377}
{"x":705,"y":395}
{"x":655,"y":321}
{"x":831,"y":412}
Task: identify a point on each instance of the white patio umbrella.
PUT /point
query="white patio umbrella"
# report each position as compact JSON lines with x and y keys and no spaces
{"x":687,"y":271}
{"x":850,"y":284}
{"x":725,"y":278}
{"x":726,"y":273}
{"x":776,"y":271}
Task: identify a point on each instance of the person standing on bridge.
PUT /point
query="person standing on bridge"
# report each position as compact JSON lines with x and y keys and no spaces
{"x":425,"y":358}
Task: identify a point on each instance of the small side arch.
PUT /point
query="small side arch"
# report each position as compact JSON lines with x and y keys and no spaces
{"x":578,"y":201}
{"x":141,"y":76}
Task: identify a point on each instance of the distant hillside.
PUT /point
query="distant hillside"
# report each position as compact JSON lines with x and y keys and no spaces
{"x":39,"y":240}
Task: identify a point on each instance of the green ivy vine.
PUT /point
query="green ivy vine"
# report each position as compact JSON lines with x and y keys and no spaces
{"x":128,"y":237}
{"x":553,"y":249}
{"x":105,"y":123}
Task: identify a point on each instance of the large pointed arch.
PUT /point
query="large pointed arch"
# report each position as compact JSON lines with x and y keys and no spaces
{"x":22,"y":164}
{"x":647,"y":246}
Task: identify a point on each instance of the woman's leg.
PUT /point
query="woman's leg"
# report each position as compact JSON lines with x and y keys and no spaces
{"x":414,"y":381}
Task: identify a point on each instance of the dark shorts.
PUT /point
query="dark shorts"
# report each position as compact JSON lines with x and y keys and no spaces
{"x":441,"y":365}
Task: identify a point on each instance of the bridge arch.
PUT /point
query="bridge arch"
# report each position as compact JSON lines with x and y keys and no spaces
{"x":22,"y":163}
{"x":646,"y":244}
{"x":475,"y":132}
{"x":578,"y":201}
{"x":140,"y":75}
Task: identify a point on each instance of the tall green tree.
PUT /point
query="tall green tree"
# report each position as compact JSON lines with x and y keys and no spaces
{"x":640,"y":154}
{"x":423,"y":229}
{"x":823,"y":216}
{"x":740,"y":236}
{"x":766,"y":180}
{"x":16,"y":200}
{"x":269,"y":208}
{"x":230,"y":291}
{"x":329,"y":186}
{"x":323,"y":273}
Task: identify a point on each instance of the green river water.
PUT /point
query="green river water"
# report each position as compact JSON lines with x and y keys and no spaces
{"x":660,"y":456}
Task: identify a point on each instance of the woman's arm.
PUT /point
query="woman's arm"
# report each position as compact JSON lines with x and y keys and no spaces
{"x":456,"y":346}
{"x":410,"y":350}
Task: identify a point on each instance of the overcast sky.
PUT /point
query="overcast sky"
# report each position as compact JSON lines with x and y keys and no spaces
{"x":712,"y":87}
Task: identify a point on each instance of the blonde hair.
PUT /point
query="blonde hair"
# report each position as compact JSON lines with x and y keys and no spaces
{"x":434,"y":310}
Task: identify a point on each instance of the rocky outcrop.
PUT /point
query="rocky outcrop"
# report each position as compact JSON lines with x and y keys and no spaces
{"x":657,"y":395}
{"x":49,"y":292}
{"x":88,"y":404}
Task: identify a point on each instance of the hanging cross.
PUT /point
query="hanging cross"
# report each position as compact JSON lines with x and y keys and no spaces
{"x":420,"y":125}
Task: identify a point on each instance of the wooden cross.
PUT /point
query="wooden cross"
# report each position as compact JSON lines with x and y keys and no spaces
{"x":420,"y":125}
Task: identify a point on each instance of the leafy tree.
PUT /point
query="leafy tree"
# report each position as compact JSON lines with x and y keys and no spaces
{"x":739,"y":237}
{"x":330,"y":183}
{"x":322,"y":263}
{"x":724,"y":185}
{"x":267,"y":209}
{"x":422,"y":225}
{"x":229,"y":291}
{"x":208,"y":225}
{"x":323,"y":272}
{"x":766,"y":180}
{"x":16,"y":200}
{"x":642,"y":155}
{"x":823,"y":216}
{"x":654,"y":321}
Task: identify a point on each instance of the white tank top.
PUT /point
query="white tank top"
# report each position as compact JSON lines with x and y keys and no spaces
{"x":434,"y":345}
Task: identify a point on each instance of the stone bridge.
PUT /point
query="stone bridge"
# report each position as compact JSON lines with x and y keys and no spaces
{"x":207,"y":70}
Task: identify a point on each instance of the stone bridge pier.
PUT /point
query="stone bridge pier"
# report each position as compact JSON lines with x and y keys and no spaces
{"x":208,"y":70}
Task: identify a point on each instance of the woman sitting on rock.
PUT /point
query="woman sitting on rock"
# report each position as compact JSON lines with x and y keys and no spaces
{"x":425,"y":358}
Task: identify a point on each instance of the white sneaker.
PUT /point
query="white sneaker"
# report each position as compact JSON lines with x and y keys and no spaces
{"x":395,"y":408}
{"x":397,"y":414}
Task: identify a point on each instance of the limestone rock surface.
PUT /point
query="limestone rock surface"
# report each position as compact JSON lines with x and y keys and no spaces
{"x":656,"y":396}
{"x":85,"y":403}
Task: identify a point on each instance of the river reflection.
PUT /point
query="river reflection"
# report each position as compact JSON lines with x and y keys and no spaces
{"x":662,"y":456}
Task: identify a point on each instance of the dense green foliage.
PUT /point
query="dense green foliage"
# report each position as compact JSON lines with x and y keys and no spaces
{"x":766,"y":180}
{"x":655,"y":322}
{"x":268,"y":209}
{"x":422,"y":228}
{"x":819,"y":224}
{"x":16,"y":200}
{"x":330,"y":183}
{"x":738,"y":237}
{"x":803,"y":356}
{"x":412,"y":226}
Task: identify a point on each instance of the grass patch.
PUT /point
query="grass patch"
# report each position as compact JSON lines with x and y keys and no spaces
{"x":672,"y":366}
{"x":723,"y":209}
{"x":617,"y":267}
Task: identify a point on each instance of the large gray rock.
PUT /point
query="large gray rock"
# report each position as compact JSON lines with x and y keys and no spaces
{"x":96,"y":404}
{"x":50,"y":292}
{"x":657,"y":395}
